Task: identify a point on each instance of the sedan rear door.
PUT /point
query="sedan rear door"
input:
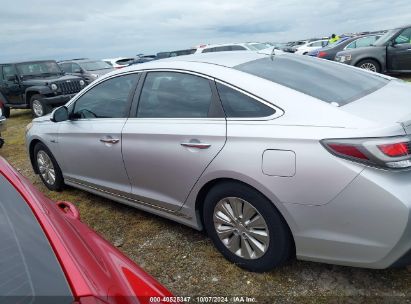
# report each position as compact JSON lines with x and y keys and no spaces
{"x":178,"y":129}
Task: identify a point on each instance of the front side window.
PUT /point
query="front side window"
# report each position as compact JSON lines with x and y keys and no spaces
{"x":404,"y":37}
{"x":9,"y":71}
{"x":237,"y":104}
{"x":174,"y":95}
{"x":108,"y":99}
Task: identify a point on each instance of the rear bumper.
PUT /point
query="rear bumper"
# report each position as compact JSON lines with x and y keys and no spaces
{"x":367,"y":225}
{"x":59,"y":100}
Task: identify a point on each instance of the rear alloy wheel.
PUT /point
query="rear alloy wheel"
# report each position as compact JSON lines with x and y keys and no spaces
{"x":246,"y":227}
{"x":38,"y":107}
{"x":49,"y":170}
{"x":369,"y":65}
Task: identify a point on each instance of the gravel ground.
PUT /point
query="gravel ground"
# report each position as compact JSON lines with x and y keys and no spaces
{"x":185,"y":261}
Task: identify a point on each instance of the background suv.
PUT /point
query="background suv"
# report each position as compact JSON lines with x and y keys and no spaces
{"x":36,"y":85}
{"x":88,"y":69}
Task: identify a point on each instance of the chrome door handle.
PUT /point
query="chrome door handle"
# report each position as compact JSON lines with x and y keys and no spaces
{"x":196,"y":145}
{"x":109,"y":140}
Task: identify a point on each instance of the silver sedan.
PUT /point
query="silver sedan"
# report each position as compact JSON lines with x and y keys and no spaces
{"x":273,"y":155}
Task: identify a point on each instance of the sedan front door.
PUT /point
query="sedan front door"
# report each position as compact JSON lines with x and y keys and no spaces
{"x":178,"y":130}
{"x":90,"y":142}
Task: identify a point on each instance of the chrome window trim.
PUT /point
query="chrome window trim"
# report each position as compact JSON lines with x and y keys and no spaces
{"x":278,"y":111}
{"x":95,"y":83}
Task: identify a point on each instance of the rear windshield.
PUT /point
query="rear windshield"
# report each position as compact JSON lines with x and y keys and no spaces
{"x":29,"y":270}
{"x":322,"y":79}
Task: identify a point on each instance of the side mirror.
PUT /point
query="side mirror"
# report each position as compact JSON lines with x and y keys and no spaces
{"x":60,"y":114}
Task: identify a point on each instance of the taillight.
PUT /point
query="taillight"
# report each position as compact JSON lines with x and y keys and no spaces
{"x":390,"y":152}
{"x":347,"y":150}
{"x":395,"y":150}
{"x":321,"y":54}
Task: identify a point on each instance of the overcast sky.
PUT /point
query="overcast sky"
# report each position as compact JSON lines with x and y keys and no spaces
{"x":50,"y":29}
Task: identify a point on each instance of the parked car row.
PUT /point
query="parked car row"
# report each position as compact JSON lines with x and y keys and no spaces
{"x":386,"y":52}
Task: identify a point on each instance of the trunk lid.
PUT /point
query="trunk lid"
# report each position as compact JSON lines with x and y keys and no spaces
{"x":390,"y":104}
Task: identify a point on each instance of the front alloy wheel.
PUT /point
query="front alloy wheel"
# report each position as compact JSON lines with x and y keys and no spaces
{"x":46,"y":168}
{"x":38,"y":109}
{"x":241,"y":228}
{"x":369,"y":65}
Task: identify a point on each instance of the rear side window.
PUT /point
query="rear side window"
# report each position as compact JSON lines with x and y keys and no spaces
{"x":174,"y":95}
{"x":327,"y":81}
{"x":30,"y":272}
{"x":237,"y":104}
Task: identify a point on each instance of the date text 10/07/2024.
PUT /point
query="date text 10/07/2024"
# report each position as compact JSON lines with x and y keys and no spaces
{"x":200,"y":299}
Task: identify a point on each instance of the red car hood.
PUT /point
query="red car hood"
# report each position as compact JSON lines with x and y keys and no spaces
{"x":93,"y":267}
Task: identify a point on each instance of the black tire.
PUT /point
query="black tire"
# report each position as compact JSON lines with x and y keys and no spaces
{"x":373,"y":64}
{"x":36,"y":100}
{"x":58,"y":185}
{"x":280,"y":245}
{"x":6,"y":111}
